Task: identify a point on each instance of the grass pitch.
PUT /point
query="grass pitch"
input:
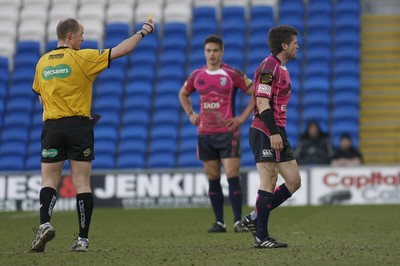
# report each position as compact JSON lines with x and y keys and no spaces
{"x":323,"y":235}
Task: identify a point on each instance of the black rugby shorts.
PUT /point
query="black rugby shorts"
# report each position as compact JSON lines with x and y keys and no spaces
{"x":67,"y":138}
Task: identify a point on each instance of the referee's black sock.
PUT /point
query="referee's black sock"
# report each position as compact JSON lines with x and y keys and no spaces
{"x":263,"y":206}
{"x":217,"y":199}
{"x":47,"y":199}
{"x":84,"y":206}
{"x":281,"y":194}
{"x":235,"y":196}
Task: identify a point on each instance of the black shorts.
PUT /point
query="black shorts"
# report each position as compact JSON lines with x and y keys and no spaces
{"x":217,"y":146}
{"x":67,"y":138}
{"x":261,"y":146}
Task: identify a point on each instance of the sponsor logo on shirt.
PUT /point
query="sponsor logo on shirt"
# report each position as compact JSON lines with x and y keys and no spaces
{"x":222,"y":81}
{"x":211,"y":105}
{"x":262,"y":88}
{"x":59,"y":71}
{"x":266,"y":78}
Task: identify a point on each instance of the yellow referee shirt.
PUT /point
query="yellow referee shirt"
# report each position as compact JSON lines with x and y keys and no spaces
{"x":64,"y":79}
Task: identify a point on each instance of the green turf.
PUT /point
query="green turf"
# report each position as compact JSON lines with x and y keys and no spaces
{"x":325,"y":235}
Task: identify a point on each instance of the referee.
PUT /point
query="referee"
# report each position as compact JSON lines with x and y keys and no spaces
{"x":63,"y":80}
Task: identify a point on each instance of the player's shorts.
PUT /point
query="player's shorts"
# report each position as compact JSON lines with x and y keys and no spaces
{"x":67,"y":138}
{"x":218,"y":146}
{"x":261,"y":146}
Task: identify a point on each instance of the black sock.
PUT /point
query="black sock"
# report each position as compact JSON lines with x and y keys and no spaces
{"x":235,"y":196}
{"x":281,"y":194}
{"x":263,"y":206}
{"x":47,"y":199}
{"x":84,"y":206}
{"x":217,"y":199}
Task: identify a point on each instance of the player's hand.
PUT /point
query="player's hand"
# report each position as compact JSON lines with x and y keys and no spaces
{"x":148,"y":26}
{"x":233,"y":123}
{"x":276,"y":142}
{"x":194,"y":119}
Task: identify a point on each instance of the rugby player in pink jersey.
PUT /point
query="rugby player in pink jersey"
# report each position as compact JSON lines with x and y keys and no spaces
{"x":268,"y":140}
{"x":218,"y":126}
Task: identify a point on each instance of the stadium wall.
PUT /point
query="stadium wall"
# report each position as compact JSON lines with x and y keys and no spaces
{"x":181,"y":189}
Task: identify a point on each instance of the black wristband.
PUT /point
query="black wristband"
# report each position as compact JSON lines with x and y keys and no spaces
{"x":141,"y":33}
{"x":267,"y":116}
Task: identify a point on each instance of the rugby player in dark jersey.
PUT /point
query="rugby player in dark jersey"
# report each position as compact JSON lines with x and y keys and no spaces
{"x":218,"y":127}
{"x":268,"y":140}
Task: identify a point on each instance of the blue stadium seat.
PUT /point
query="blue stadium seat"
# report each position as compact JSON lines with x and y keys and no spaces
{"x":347,"y":39}
{"x":172,"y":57}
{"x":174,"y":43}
{"x":319,"y":39}
{"x":316,"y":84}
{"x":146,"y":57}
{"x":139,"y":87}
{"x":294,"y":68}
{"x":340,"y":127}
{"x":316,"y":113}
{"x":15,"y":133}
{"x":348,"y":83}
{"x":317,"y":7}
{"x":28,"y":47}
{"x":264,"y":12}
{"x":345,"y":98}
{"x":233,"y":26}
{"x":107,"y":103}
{"x":175,"y":29}
{"x":90,"y":44}
{"x":164,"y":131}
{"x":19,"y":104}
{"x":163,"y":145}
{"x":172,"y":72}
{"x":131,"y":160}
{"x":234,"y":57}
{"x":105,"y":146}
{"x":346,"y":68}
{"x":296,"y":20}
{"x":51,"y":45}
{"x":21,"y":90}
{"x":347,"y":52}
{"x":188,"y":131}
{"x":141,"y":72}
{"x":132,"y":146}
{"x":167,"y":103}
{"x":103,"y":161}
{"x":188,"y":159}
{"x":13,"y":148}
{"x":348,"y":7}
{"x":12,"y":163}
{"x":315,"y":98}
{"x":135,"y":132}
{"x":166,"y":117}
{"x":161,"y":160}
{"x":348,"y":113}
{"x":323,"y":53}
{"x":346,"y":24}
{"x":17,"y":119}
{"x":106,"y":133}
{"x":35,"y":148}
{"x":169,"y":87}
{"x":117,"y":29}
{"x":318,"y":69}
{"x":32,"y":162}
{"x":113,"y":74}
{"x":110,"y":118}
{"x":320,"y":23}
{"x":135,"y":117}
{"x":260,"y":25}
{"x":109,"y":88}
{"x":137,"y":102}
{"x":25,"y":60}
{"x":188,"y":145}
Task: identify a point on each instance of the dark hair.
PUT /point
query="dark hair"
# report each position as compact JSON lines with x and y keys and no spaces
{"x":278,"y":35}
{"x":214,"y":39}
{"x":65,"y":26}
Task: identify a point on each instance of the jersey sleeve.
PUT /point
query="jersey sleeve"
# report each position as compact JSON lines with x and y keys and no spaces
{"x":189,"y":83}
{"x":264,"y":83}
{"x":94,"y":61}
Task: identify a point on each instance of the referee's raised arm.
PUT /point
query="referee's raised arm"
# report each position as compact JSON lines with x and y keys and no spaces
{"x":129,"y":44}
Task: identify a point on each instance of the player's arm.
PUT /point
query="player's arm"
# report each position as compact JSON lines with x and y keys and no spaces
{"x":129,"y":44}
{"x":184,"y":98}
{"x":267,"y":117}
